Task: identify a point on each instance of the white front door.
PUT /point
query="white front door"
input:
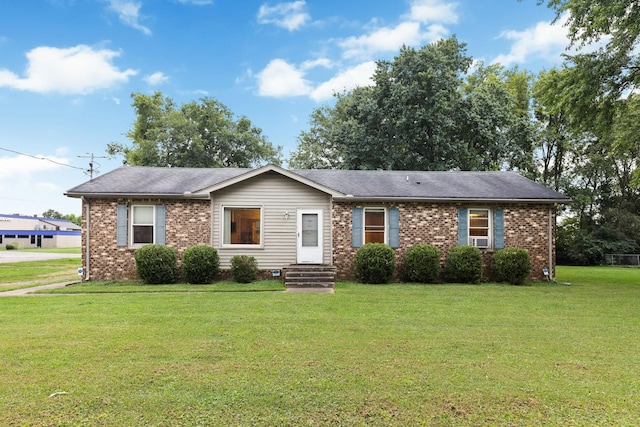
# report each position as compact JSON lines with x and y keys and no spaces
{"x":309,"y":236}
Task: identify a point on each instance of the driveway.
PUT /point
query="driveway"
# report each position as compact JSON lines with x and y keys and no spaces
{"x":16,"y":256}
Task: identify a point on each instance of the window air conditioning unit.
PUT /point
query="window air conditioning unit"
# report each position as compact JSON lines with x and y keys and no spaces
{"x":480,"y":242}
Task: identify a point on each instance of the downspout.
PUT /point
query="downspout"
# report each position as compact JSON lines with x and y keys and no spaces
{"x":551,"y":266}
{"x":87,"y":240}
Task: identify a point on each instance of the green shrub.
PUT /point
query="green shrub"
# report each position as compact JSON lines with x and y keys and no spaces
{"x":511,"y":265}
{"x":200,"y":264}
{"x":422,"y":264}
{"x":10,"y":246}
{"x":244,"y":268}
{"x":375,"y":263}
{"x":157,"y":264}
{"x":463,"y":264}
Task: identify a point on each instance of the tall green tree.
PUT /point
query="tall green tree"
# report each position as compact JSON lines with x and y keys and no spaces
{"x":425,"y":112}
{"x":614,"y":25}
{"x":196,"y":134}
{"x":317,"y":147}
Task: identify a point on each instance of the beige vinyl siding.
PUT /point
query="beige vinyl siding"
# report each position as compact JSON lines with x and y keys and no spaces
{"x":276,"y":195}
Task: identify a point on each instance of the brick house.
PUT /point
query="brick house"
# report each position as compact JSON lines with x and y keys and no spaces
{"x":310,"y":217}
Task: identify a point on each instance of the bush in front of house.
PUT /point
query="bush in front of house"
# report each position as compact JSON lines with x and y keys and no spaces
{"x":10,"y":246}
{"x":463,"y":264}
{"x":511,"y":265}
{"x":244,"y":268}
{"x":375,"y":263}
{"x":157,"y":264}
{"x":200,"y":264}
{"x":422,"y":264}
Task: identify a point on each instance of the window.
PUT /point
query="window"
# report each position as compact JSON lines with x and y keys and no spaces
{"x":138,"y":225}
{"x":142,"y":224}
{"x":23,"y":236}
{"x":482,"y":228}
{"x":242,"y":226}
{"x":374,"y":225}
{"x":479,"y":231}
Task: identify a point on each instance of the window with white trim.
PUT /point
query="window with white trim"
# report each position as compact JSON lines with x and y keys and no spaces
{"x":480,"y":228}
{"x":242,"y":226}
{"x":375,"y":225}
{"x":142,"y":224}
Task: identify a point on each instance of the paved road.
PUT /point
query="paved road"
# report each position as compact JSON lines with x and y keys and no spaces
{"x":16,"y":256}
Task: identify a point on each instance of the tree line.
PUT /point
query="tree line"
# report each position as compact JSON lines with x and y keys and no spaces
{"x":574,"y":128}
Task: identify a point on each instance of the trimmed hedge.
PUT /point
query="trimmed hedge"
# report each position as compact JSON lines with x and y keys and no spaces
{"x":200,"y":264}
{"x":463,"y":264}
{"x":157,"y":264}
{"x":244,"y":268}
{"x":375,"y":263}
{"x":422,"y":264}
{"x":511,"y":265}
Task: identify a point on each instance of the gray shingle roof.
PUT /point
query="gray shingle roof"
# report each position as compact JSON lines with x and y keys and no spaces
{"x":425,"y":185}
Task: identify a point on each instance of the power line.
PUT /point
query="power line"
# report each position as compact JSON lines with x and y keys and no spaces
{"x":42,"y":158}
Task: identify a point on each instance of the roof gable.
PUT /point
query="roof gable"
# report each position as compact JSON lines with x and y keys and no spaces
{"x":266,"y":169}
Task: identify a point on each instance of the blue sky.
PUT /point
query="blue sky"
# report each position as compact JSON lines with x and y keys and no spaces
{"x":68,"y":68}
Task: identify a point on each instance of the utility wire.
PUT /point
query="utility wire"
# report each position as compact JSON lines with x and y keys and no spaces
{"x":42,"y":158}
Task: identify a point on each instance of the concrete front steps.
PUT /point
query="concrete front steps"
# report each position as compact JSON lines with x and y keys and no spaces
{"x":310,"y":278}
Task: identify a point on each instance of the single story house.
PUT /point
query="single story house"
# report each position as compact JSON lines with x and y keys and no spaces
{"x":36,"y":232}
{"x":317,"y":217}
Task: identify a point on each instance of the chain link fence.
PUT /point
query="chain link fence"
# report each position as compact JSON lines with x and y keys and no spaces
{"x":623,"y":259}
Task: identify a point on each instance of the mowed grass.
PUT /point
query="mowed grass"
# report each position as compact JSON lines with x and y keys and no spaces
{"x":368,"y":355}
{"x":16,"y":275}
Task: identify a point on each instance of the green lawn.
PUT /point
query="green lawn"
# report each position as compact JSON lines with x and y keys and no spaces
{"x":368,"y":355}
{"x":16,"y":275}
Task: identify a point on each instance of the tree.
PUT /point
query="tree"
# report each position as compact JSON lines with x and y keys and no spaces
{"x":604,"y":76}
{"x":614,"y":23}
{"x":204,"y":134}
{"x":54,"y":214}
{"x":51,"y":213}
{"x":317,"y":147}
{"x":425,"y":112}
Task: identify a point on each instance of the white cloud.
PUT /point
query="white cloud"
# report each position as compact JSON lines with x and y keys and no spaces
{"x":388,"y":39}
{"x":291,"y":16}
{"x":196,"y":2}
{"x":542,"y":41}
{"x":156,"y":79}
{"x":281,"y":79}
{"x":320,"y":62}
{"x":129,"y":14}
{"x":433,"y":11}
{"x":360,"y":75}
{"x":24,"y":166}
{"x":423,"y":23}
{"x":75,"y":70}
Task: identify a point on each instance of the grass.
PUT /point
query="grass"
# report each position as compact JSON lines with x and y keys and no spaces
{"x":373,"y":355}
{"x":139,"y":287}
{"x":17,"y":275}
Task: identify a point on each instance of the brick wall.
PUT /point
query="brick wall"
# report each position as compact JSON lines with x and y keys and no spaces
{"x":188,"y":223}
{"x":526,"y":227}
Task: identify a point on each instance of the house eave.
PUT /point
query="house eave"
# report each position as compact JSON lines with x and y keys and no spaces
{"x":350,"y":198}
{"x":138,"y":196}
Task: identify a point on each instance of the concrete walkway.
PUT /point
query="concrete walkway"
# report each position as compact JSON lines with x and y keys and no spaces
{"x":29,"y":291}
